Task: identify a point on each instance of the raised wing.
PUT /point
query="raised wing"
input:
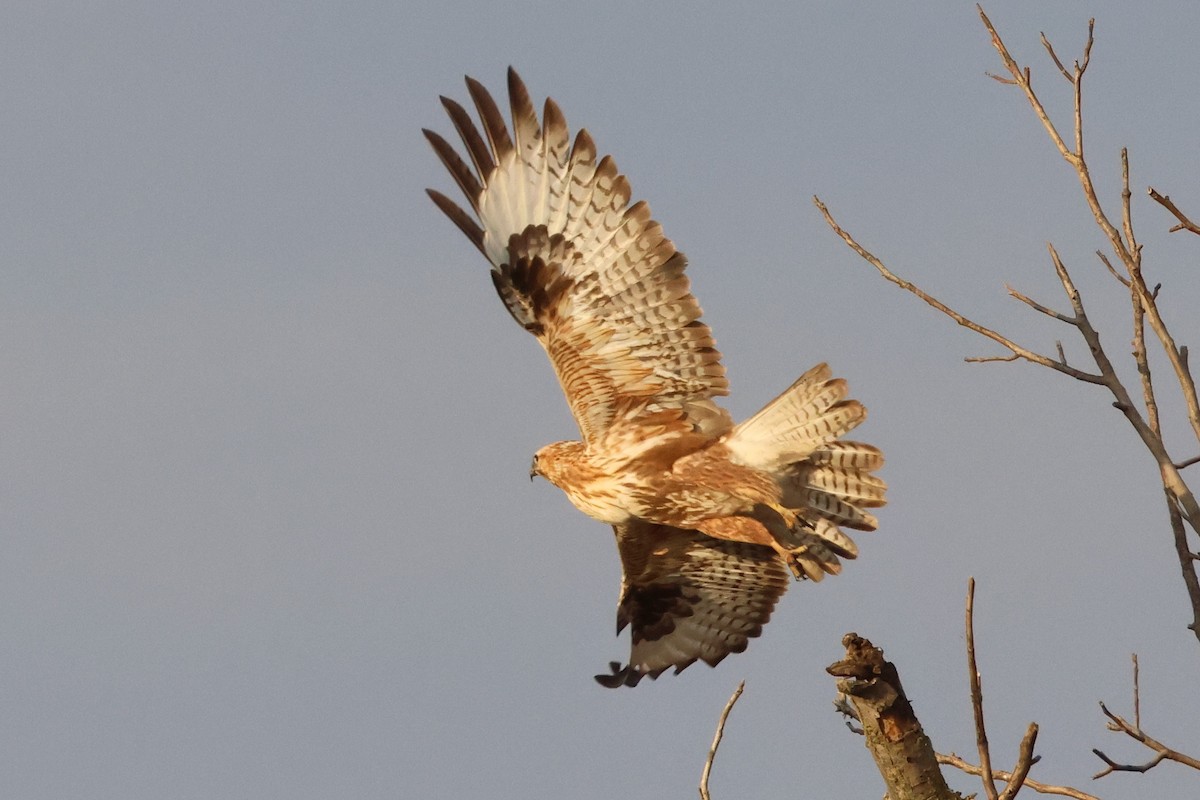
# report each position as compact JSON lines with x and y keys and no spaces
{"x":687,"y":597}
{"x":588,"y":274}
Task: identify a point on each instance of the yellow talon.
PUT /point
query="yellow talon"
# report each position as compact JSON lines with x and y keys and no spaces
{"x":786,"y":514}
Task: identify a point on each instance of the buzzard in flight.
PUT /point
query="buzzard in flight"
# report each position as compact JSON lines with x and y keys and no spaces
{"x":709,"y":515}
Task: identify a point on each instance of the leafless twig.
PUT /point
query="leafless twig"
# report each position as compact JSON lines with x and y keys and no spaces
{"x":1121,"y":725}
{"x":1161,"y":751}
{"x":1185,"y":224}
{"x":1018,"y":352}
{"x":1137,"y":695}
{"x":1016,"y":779}
{"x":981,"y":741}
{"x":716,"y":742}
{"x":952,"y":760}
{"x":1182,"y":504}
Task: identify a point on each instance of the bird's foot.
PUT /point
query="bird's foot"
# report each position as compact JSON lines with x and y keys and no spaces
{"x":786,"y":514}
{"x":791,"y":557}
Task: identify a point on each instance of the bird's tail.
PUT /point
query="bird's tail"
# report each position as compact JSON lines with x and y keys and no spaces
{"x":828,"y":482}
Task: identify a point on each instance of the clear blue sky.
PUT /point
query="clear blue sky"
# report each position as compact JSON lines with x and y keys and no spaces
{"x":266,"y":528}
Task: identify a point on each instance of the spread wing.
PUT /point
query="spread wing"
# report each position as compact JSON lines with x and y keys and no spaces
{"x":687,"y":597}
{"x":588,"y":274}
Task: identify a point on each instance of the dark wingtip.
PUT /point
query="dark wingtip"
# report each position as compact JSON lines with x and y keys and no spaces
{"x":625,"y":676}
{"x":621,"y":676}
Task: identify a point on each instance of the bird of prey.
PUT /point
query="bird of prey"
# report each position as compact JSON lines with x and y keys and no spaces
{"x":710,"y":516}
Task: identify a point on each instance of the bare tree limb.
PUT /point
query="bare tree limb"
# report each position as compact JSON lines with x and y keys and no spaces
{"x":1137,"y":694}
{"x":1134,"y":731}
{"x":1036,"y":306}
{"x":1054,"y":57}
{"x":1183,"y":504}
{"x":1161,"y":751}
{"x":1127,"y":208}
{"x":952,"y":760}
{"x":1185,"y":224}
{"x":981,"y":741}
{"x":1124,"y":281}
{"x":1025,"y":759}
{"x":990,"y":359}
{"x":1125,"y":248}
{"x":1017,"y":350}
{"x":902,"y":752}
{"x":716,"y":742}
{"x":1187,"y":560}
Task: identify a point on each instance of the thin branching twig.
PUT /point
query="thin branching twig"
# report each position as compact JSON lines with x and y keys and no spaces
{"x":716,"y":742}
{"x":981,"y":741}
{"x":1161,"y":751}
{"x":952,"y":760}
{"x":1025,"y":759}
{"x":1185,"y":224}
{"x":1126,"y":267}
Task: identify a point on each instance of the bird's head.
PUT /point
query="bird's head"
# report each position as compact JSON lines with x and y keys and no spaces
{"x":553,"y":461}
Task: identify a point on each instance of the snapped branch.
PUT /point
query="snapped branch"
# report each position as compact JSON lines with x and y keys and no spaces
{"x":1185,"y":224}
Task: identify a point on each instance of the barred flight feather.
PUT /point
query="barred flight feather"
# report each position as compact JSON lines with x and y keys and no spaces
{"x":627,"y":322}
{"x":689,"y":598}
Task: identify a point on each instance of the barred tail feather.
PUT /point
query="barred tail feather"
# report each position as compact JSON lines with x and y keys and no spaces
{"x":828,"y":482}
{"x":812,"y":412}
{"x":816,"y":550}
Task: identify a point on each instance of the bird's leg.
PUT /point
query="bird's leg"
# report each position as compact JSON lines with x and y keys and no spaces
{"x":775,"y":514}
{"x":789,"y":557}
{"x":785,"y":514}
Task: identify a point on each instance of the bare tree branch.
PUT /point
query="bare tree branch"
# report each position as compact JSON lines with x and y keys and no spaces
{"x":990,"y":359}
{"x":1036,"y":306}
{"x":716,"y":742}
{"x":871,"y":692}
{"x":1185,"y":224}
{"x":1054,"y":57}
{"x":1025,"y":760}
{"x":1134,"y":731}
{"x":1126,"y":249}
{"x":1137,"y":694}
{"x":981,"y":741}
{"x":1017,"y":350}
{"x":1124,"y":281}
{"x":1187,"y":560}
{"x":902,"y":752}
{"x":952,"y":760}
{"x":1127,"y":208}
{"x":1182,"y":504}
{"x":1161,"y":751}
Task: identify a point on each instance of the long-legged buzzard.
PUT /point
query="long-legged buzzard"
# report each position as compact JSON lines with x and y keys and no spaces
{"x":709,"y":516}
